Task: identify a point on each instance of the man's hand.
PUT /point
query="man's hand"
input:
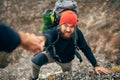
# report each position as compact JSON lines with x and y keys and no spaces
{"x":42,"y":42}
{"x":31,"y":42}
{"x":99,"y":69}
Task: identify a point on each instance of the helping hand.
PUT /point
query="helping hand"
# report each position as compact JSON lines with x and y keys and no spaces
{"x":31,"y":42}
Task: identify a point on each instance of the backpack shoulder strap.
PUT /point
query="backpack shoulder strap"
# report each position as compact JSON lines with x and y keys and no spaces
{"x":75,"y":44}
{"x":51,"y":47}
{"x":75,"y":37}
{"x":58,"y":35}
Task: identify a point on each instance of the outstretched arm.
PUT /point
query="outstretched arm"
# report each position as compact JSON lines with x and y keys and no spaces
{"x":32,"y":42}
{"x":10,"y":40}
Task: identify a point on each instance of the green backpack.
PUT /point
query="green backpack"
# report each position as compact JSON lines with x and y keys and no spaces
{"x":51,"y":19}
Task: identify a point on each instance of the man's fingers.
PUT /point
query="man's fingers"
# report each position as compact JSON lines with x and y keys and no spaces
{"x":106,"y":71}
{"x":33,"y":43}
{"x":36,"y":51}
{"x":101,"y":69}
{"x":38,"y":47}
{"x":97,"y":71}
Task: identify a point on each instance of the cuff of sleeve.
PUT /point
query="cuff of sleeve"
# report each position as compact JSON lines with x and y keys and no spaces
{"x":15,"y":42}
{"x":96,"y":65}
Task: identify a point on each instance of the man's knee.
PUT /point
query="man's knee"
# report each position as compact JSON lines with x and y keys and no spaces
{"x":66,"y":69}
{"x":40,"y":59}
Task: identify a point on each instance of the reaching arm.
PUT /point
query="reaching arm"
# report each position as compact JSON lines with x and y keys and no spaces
{"x":88,"y":53}
{"x":10,"y":40}
{"x":32,"y":42}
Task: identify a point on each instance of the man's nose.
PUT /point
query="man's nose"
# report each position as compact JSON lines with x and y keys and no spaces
{"x":68,"y":29}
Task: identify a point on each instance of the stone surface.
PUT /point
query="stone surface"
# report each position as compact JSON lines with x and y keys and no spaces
{"x":99,"y":21}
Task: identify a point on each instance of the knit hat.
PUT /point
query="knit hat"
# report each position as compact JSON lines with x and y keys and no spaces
{"x":68,"y":17}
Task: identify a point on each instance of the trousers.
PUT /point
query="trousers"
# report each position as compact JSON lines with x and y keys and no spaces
{"x":43,"y":58}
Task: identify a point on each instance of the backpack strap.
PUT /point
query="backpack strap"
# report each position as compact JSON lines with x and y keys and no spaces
{"x":75,"y":44}
{"x":51,"y":47}
{"x":58,"y":36}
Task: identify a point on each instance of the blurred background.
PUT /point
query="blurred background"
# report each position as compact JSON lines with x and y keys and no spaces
{"x":99,"y":20}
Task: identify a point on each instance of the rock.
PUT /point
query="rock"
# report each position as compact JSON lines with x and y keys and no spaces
{"x":93,"y":14}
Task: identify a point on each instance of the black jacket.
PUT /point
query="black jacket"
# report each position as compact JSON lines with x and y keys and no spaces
{"x":9,"y":39}
{"x":65,"y":48}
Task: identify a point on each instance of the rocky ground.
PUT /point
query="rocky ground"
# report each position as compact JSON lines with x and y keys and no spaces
{"x":99,"y":20}
{"x":80,"y":71}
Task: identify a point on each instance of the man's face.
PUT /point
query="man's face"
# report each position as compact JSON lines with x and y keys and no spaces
{"x":67,"y":30}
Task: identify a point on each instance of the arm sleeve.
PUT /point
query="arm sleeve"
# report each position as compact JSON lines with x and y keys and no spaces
{"x":9,"y":39}
{"x":51,"y":36}
{"x":86,"y":49}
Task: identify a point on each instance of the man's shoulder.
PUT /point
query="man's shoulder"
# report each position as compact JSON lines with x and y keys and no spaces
{"x":78,"y":30}
{"x":51,"y":30}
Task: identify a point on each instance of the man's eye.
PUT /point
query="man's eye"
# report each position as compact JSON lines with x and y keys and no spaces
{"x":71,"y":26}
{"x":65,"y":25}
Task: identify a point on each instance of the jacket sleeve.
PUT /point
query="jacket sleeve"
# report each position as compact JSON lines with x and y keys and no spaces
{"x":9,"y":39}
{"x":86,"y":49}
{"x":51,"y":35}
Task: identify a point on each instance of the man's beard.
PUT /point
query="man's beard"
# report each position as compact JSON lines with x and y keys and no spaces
{"x":66,"y":35}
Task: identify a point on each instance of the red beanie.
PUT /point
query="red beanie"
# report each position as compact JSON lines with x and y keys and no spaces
{"x":68,"y":17}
